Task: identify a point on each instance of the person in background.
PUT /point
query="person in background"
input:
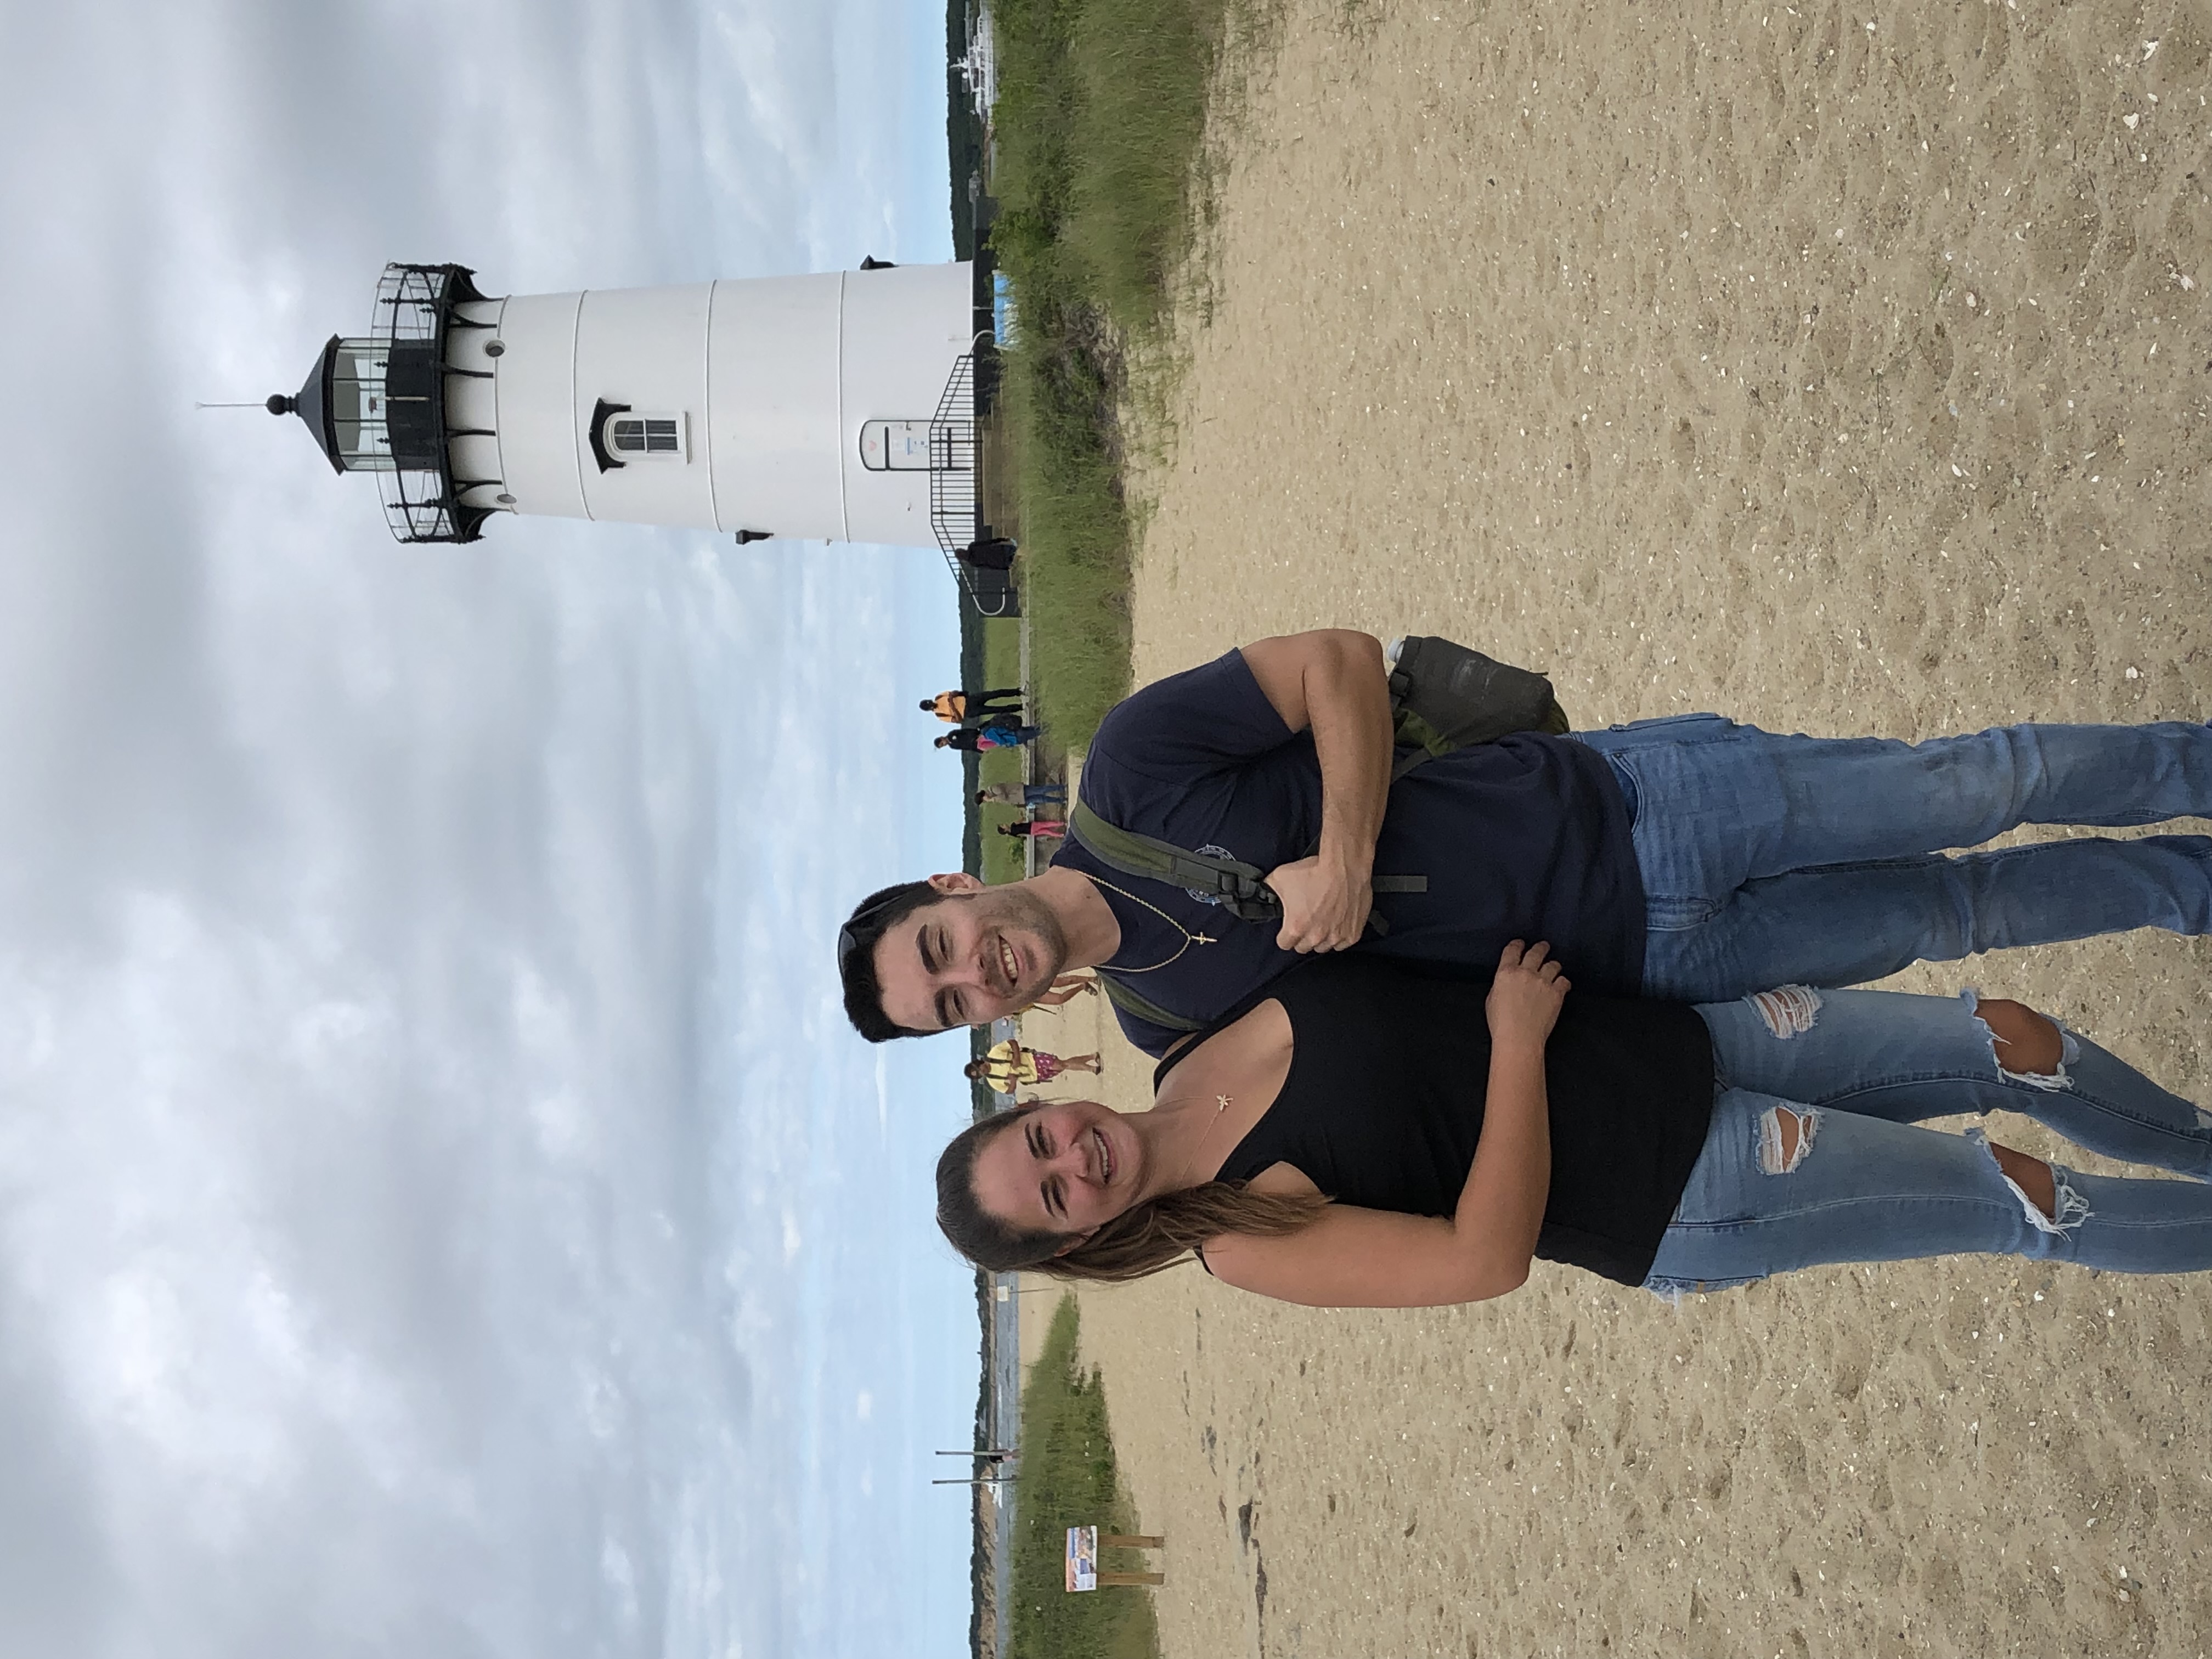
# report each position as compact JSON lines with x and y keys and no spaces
{"x":991,"y":553}
{"x":981,"y":737}
{"x":1034,"y":829}
{"x":1031,"y":795}
{"x":958,"y":708}
{"x":1066,"y":988}
{"x":1008,"y":1065}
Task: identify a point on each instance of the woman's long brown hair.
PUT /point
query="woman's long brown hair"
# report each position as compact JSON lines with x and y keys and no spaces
{"x":1139,"y":1241}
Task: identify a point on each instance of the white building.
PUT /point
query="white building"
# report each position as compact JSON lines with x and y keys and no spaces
{"x":979,"y":70}
{"x":838,"y":406}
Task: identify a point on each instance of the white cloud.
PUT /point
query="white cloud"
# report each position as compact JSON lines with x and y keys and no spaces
{"x":422,"y":1059}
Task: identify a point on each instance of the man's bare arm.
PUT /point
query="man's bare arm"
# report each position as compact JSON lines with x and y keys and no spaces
{"x":1332,"y":682}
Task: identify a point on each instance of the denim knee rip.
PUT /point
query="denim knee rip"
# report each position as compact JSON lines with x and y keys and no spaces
{"x":2069,"y":1049}
{"x":2072,"y":1208}
{"x":1780,"y":1156}
{"x":1788,"y":1010}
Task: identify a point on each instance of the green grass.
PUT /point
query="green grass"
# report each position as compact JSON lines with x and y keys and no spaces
{"x":1075,"y":542}
{"x":1099,"y":123}
{"x":1068,"y":1480}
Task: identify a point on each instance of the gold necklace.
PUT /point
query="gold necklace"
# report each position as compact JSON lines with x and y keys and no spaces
{"x":1221,"y":1103}
{"x":1190,"y":938}
{"x":1220,"y":1107}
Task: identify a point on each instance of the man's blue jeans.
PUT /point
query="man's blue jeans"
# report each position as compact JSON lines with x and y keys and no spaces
{"x":1856,"y":1181}
{"x":1770,"y":861}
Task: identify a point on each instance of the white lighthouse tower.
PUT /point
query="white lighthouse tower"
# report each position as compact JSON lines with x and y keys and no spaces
{"x":838,"y":406}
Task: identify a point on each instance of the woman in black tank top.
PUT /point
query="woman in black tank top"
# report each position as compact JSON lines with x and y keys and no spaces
{"x":1357,"y":1134}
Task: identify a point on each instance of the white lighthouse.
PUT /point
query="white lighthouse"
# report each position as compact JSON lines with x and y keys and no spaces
{"x":838,"y":406}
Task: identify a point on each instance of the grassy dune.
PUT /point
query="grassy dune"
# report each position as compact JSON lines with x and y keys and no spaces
{"x":1068,"y":1480}
{"x":1101,"y":113}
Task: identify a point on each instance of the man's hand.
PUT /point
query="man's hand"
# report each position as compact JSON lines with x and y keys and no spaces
{"x":1325,"y":904}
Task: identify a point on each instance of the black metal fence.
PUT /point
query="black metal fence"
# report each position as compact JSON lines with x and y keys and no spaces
{"x":954,"y":511}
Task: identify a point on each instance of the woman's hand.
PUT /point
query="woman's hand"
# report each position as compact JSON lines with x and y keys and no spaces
{"x":1524,"y":999}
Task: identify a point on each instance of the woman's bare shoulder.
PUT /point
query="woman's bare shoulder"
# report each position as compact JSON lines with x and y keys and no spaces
{"x":1263,"y":1034}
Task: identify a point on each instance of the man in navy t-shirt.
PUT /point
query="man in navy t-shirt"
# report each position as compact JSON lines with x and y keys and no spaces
{"x":1526,"y":838}
{"x":1689,"y":857}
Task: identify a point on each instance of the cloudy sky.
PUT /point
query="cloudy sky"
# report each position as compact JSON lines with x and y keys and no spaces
{"x":441,"y":1210}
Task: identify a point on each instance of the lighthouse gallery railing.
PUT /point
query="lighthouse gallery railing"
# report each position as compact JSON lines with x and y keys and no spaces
{"x":415,"y":309}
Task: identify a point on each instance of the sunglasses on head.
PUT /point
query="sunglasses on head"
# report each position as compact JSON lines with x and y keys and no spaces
{"x":849,"y":939}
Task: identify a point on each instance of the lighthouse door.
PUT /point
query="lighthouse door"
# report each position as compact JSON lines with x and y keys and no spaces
{"x":895,"y":446}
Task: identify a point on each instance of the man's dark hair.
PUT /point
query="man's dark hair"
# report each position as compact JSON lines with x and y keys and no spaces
{"x":871,"y":918}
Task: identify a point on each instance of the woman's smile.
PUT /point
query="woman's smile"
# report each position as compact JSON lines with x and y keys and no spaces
{"x":1062,"y":1167}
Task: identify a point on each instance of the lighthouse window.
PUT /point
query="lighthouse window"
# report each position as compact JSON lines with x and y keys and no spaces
{"x":649,"y":437}
{"x":633,"y":436}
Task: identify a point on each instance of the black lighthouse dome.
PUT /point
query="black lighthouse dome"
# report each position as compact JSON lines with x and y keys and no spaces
{"x":312,"y":402}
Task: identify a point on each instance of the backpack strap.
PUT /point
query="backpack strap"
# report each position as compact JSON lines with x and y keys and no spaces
{"x":1394,"y":884}
{"x":1241,"y":889}
{"x":1143,"y":1007}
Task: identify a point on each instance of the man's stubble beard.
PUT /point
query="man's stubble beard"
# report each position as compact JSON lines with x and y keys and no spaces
{"x":1031,"y":914}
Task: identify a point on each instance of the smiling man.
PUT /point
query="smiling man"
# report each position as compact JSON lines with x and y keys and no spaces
{"x":1689,"y":857}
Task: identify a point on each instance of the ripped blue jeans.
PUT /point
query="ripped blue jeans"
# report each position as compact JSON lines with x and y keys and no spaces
{"x":1814,"y":1154}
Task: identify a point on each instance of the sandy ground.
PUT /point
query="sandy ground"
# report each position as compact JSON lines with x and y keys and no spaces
{"x":1836,"y":370}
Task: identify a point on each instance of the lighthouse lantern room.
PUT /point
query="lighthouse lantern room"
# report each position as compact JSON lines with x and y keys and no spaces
{"x":837,"y":406}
